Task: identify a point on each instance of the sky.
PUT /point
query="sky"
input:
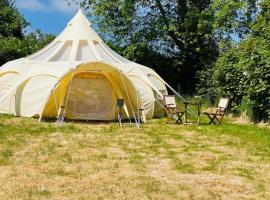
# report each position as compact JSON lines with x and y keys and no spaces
{"x":50,"y":16}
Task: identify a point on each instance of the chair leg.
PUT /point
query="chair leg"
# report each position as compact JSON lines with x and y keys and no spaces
{"x":212,"y":119}
{"x":220,"y":119}
{"x":216,"y":121}
{"x":169,"y":118}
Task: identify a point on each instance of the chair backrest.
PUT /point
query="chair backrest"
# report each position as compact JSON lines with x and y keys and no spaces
{"x":223,"y":103}
{"x":169,"y":101}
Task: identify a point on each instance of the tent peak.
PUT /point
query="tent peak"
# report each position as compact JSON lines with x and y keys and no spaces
{"x":79,"y":18}
{"x":79,"y":28}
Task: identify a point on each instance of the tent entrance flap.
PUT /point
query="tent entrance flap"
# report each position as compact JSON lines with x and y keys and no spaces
{"x":90,"y":97}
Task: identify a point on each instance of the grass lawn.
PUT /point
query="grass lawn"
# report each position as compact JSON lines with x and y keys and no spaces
{"x":159,"y":161}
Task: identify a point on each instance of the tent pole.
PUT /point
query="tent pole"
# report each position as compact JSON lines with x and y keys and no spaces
{"x":129,"y":100}
{"x":176,"y":93}
{"x":64,"y":111}
{"x":55,"y":101}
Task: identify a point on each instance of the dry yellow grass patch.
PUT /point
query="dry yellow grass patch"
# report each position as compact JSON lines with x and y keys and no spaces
{"x":103,"y":161}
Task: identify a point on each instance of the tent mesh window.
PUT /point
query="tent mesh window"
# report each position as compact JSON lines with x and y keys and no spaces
{"x":64,"y":53}
{"x":90,"y":97}
{"x":41,"y":56}
{"x":103,"y":54}
{"x":84,"y":52}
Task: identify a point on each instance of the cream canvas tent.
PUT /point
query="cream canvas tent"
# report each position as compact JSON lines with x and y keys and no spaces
{"x":80,"y":72}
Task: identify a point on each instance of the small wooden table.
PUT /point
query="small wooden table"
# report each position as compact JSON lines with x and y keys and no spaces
{"x":198,"y":106}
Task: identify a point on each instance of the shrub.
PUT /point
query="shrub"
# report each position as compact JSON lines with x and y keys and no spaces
{"x":228,"y":76}
{"x":255,"y":58}
{"x":243,"y":71}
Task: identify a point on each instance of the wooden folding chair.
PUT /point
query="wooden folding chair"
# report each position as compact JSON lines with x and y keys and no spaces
{"x":172,"y":110}
{"x":217,"y":115}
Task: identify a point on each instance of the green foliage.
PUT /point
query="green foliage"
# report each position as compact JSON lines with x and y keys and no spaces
{"x":256,"y":59}
{"x":12,"y":22}
{"x":13,"y":43}
{"x":229,"y":78}
{"x":233,"y":19}
{"x":178,"y":39}
{"x":207,"y":85}
{"x":243,"y":71}
{"x":12,"y":48}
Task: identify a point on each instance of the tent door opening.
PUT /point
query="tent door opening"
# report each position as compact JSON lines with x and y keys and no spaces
{"x":90,"y":97}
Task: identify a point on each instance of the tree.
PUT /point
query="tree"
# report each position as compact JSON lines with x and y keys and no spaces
{"x":233,"y":19}
{"x":243,"y":72}
{"x":186,"y":32}
{"x":12,"y":48}
{"x":255,"y":59}
{"x":13,"y":42}
{"x":12,"y":22}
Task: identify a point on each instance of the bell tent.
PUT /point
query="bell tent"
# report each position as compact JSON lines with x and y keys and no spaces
{"x":79,"y":72}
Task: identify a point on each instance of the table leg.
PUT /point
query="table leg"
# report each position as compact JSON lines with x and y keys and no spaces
{"x":199,"y":113}
{"x":185,"y":113}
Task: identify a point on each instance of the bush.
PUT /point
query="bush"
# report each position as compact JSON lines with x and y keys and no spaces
{"x":243,"y":71}
{"x":255,"y":58}
{"x":207,"y":85}
{"x":12,"y":48}
{"x":228,"y":76}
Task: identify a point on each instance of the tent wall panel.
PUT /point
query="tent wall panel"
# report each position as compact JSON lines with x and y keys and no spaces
{"x":6,"y":81}
{"x":146,"y":96}
{"x":56,"y":98}
{"x":30,"y":95}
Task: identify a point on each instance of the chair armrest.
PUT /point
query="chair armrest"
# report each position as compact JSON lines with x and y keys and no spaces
{"x":169,"y":105}
{"x":221,"y":110}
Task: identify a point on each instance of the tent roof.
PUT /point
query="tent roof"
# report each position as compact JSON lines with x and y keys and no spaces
{"x":77,"y":43}
{"x":79,"y":28}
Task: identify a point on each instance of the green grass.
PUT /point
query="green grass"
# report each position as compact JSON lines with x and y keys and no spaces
{"x":5,"y":156}
{"x":158,"y":161}
{"x":256,"y":139}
